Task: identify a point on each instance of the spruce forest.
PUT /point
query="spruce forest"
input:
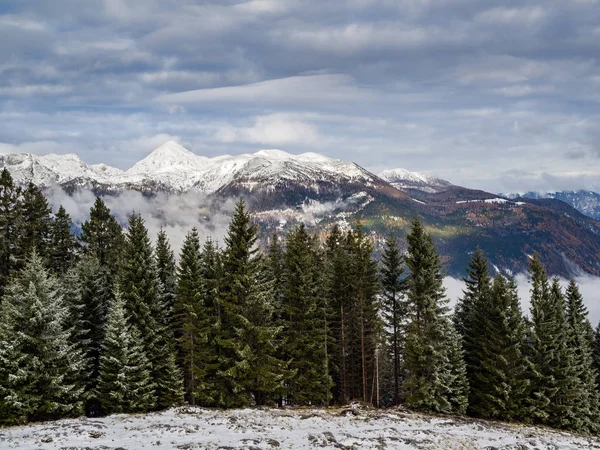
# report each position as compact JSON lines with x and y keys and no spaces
{"x":106,"y":321}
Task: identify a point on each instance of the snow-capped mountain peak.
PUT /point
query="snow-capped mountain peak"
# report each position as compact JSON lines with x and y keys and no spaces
{"x":172,"y":167}
{"x":168,"y":156}
{"x":405,"y":179}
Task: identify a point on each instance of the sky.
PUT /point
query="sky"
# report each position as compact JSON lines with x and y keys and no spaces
{"x":502,"y":96}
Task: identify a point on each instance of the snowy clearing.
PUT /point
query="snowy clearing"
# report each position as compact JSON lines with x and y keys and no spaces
{"x":197,"y":428}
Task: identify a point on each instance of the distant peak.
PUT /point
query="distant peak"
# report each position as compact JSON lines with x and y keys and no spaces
{"x":172,"y":147}
{"x":273,"y":153}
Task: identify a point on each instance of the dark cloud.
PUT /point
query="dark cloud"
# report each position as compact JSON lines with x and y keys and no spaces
{"x":495,"y":95}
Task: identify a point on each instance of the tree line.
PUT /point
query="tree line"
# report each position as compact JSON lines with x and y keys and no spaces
{"x":107,"y":322}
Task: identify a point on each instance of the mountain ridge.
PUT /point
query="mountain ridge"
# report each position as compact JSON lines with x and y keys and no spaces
{"x":283,"y":190}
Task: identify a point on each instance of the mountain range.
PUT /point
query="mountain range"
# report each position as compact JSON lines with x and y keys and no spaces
{"x":283,"y":189}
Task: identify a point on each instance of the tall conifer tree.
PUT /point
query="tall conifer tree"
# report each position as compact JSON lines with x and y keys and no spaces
{"x":10,"y":226}
{"x":394,"y":306}
{"x":64,"y":247}
{"x":140,"y":288}
{"x":304,"y":321}
{"x":36,"y":223}
{"x":125,"y":384}
{"x":43,"y":381}
{"x":430,"y":351}
{"x":166,"y":267}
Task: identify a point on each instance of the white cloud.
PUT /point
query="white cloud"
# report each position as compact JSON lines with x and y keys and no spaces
{"x":297,"y":90}
{"x":276,"y":129}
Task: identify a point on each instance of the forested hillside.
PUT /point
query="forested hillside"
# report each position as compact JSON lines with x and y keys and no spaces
{"x":111,"y":322}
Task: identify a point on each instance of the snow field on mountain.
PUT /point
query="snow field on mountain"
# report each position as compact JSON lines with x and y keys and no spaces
{"x":197,"y":428}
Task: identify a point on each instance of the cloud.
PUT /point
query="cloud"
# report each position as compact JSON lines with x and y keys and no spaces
{"x":274,"y":129}
{"x":291,"y":90}
{"x":337,"y":77}
{"x":176,"y":214}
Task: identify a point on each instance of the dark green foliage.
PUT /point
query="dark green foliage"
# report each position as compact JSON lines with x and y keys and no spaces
{"x":336,"y":284}
{"x":10,"y":227}
{"x":64,"y":248}
{"x":103,"y":236}
{"x":364,"y":327}
{"x":192,"y":321}
{"x":305,"y":322}
{"x":140,"y":288}
{"x":88,"y":292}
{"x":125,"y":384}
{"x":581,"y":347}
{"x":244,"y":371}
{"x":469,"y":323}
{"x":556,"y":388}
{"x":36,"y":223}
{"x":394,"y":306}
{"x":498,"y":377}
{"x":165,"y":265}
{"x":435,"y":376}
{"x":39,"y":367}
{"x":596,"y":354}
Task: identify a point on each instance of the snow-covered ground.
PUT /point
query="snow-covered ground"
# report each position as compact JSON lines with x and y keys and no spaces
{"x":196,"y":428}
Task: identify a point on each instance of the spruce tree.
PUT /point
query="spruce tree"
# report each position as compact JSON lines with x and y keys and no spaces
{"x":365,"y":328}
{"x":471,"y":328}
{"x":88,"y":292}
{"x":166,"y":267}
{"x":39,"y":367}
{"x":336,"y":283}
{"x":498,"y":378}
{"x":260,"y":336}
{"x":36,"y":223}
{"x":140,"y":288}
{"x":596,"y":354}
{"x":556,"y":388}
{"x":10,"y":226}
{"x":102,"y":236}
{"x":63,"y":248}
{"x":430,"y":350}
{"x":305,"y":322}
{"x":125,"y":383}
{"x":240,"y":363}
{"x":581,"y":347}
{"x":394,"y":307}
{"x":192,"y":321}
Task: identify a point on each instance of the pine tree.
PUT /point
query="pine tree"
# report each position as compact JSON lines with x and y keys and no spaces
{"x":471,"y":328}
{"x":36,"y":222}
{"x":556,"y":386}
{"x":260,"y":335}
{"x":44,"y":367}
{"x":336,"y":283}
{"x":10,"y":226}
{"x":430,"y":359}
{"x":140,"y":288}
{"x":596,"y":354}
{"x":88,"y":292}
{"x":394,"y":307}
{"x":125,"y":383}
{"x":365,"y":328}
{"x":192,"y":320}
{"x":580,"y":346}
{"x":498,"y":378}
{"x":305,"y":322}
{"x":166,"y":267}
{"x":64,"y":247}
{"x":103,"y":236}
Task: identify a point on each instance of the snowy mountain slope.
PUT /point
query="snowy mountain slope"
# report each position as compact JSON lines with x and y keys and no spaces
{"x":195,"y":428}
{"x":586,"y":202}
{"x":404,"y":179}
{"x":172,"y":167}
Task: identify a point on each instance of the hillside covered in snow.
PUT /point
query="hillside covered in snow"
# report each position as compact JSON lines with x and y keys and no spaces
{"x":196,"y":428}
